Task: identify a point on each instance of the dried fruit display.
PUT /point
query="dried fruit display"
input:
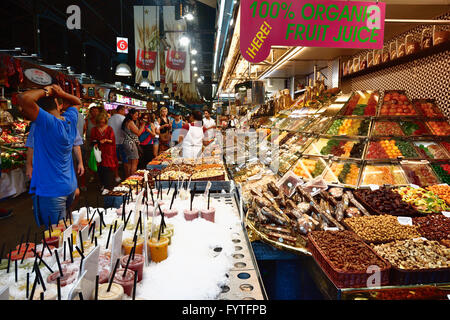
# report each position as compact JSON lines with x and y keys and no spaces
{"x":349,"y":127}
{"x":390,"y":149}
{"x":386,"y":201}
{"x":442,"y":171}
{"x":309,"y":168}
{"x":431,"y":150}
{"x":423,"y":200}
{"x":344,"y":173}
{"x":345,"y":252}
{"x":440,"y":128}
{"x":387,"y":128}
{"x":337,"y":147}
{"x":396,"y":104}
{"x":415,"y":254}
{"x":414,"y":128}
{"x":429,"y":109}
{"x":434,"y":226}
{"x":442,"y":191}
{"x":420,"y":174}
{"x":383,"y":174}
{"x":381,"y":229}
{"x":362,"y":103}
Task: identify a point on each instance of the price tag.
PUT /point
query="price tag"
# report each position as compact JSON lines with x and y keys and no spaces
{"x":374,"y":187}
{"x":138,"y":206}
{"x":90,"y":264}
{"x":116,"y":248}
{"x":331,"y":229}
{"x":4,"y":293}
{"x":84,"y":235}
{"x":446,"y":213}
{"x":414,"y":186}
{"x":208,"y":186}
{"x":66,"y":234}
{"x":406,"y":221}
{"x":77,"y":287}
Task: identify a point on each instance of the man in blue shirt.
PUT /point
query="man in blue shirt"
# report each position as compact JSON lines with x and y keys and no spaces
{"x":53,"y":181}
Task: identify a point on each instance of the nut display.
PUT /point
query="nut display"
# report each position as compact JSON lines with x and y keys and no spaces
{"x":386,"y":201}
{"x":346,"y":252}
{"x":415,"y":254}
{"x":380,"y":229}
{"x":434,"y":227}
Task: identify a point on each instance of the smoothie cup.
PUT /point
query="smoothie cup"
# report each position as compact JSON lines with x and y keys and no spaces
{"x":50,"y":294}
{"x":115,"y":293}
{"x":67,"y":278}
{"x":158,"y":249}
{"x":55,"y":233}
{"x":166,"y":234}
{"x":17,"y":291}
{"x":104,"y":276}
{"x":170,"y":213}
{"x":208,"y":214}
{"x":135,"y":264}
{"x":53,"y":241}
{"x":190,"y":215}
{"x":128,"y":244}
{"x":126,"y":282}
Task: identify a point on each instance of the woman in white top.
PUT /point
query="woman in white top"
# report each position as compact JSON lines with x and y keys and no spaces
{"x":193,"y":138}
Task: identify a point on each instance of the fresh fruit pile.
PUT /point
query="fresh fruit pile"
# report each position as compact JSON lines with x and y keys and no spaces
{"x":442,"y":171}
{"x":396,"y":104}
{"x":349,"y":127}
{"x":442,"y":191}
{"x":387,"y":128}
{"x":431,"y":151}
{"x":423,"y":200}
{"x":13,"y":159}
{"x":428,"y":109}
{"x":390,"y":149}
{"x":420,"y":174}
{"x":363,"y":104}
{"x":440,"y":128}
{"x":380,"y":175}
{"x":307,"y":168}
{"x":414,"y":128}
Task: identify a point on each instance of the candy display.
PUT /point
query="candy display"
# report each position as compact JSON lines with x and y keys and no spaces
{"x":390,"y":149}
{"x":414,"y":128}
{"x":349,"y":127}
{"x":423,"y":200}
{"x":387,"y":128}
{"x":431,"y":150}
{"x":442,"y":171}
{"x":362,"y":103}
{"x":343,"y":173}
{"x":309,"y":168}
{"x":440,"y":128}
{"x":441,"y":190}
{"x":337,"y":147}
{"x":382,"y":174}
{"x":428,"y":108}
{"x":420,"y":174}
{"x":396,"y":103}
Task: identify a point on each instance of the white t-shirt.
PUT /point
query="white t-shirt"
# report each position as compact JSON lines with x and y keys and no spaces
{"x":115,"y":122}
{"x":209,"y":134}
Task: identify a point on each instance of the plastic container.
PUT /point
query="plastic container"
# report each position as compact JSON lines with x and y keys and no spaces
{"x":158,"y":249}
{"x":127,"y":281}
{"x":135,"y":264}
{"x":190,"y":215}
{"x":115,"y":293}
{"x":208,"y":214}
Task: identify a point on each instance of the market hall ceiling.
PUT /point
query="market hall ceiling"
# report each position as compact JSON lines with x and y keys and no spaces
{"x":100,"y":25}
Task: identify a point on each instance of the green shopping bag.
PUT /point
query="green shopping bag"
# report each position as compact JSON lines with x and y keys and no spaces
{"x":92,"y":164}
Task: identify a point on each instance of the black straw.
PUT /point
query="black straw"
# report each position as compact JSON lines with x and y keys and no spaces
{"x":79,"y":251}
{"x":134,"y":284}
{"x":81,"y":241}
{"x":9,"y":261}
{"x":15,"y":270}
{"x":209,"y":193}
{"x":109,"y":235}
{"x":80,"y":295}
{"x":128,"y":260}
{"x":26,"y":250}
{"x":173,"y":196}
{"x":42,"y":260}
{"x":28,"y":285}
{"x":42,"y":295}
{"x":58,"y":287}
{"x":113,"y":275}
{"x":96,"y":287}
{"x":170,"y":185}
{"x":59,"y":264}
{"x":34,"y":283}
{"x":64,"y":255}
{"x":115,"y":225}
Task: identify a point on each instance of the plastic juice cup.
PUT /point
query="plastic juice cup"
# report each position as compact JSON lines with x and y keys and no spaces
{"x":158,"y":249}
{"x":190,"y":215}
{"x":115,"y":293}
{"x":50,"y":293}
{"x":166,"y":234}
{"x":53,"y":241}
{"x":55,"y":233}
{"x":170,"y":213}
{"x":104,"y":276}
{"x":17,"y":290}
{"x":128,"y":244}
{"x":135,"y":264}
{"x":208,"y":214}
{"x":67,"y":278}
{"x":87,"y":245}
{"x":126,"y":282}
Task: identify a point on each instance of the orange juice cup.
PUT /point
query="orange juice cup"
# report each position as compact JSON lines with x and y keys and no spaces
{"x":158,"y":249}
{"x":55,"y":233}
{"x":128,"y":244}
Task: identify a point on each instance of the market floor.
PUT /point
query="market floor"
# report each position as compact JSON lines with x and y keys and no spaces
{"x":12,"y":228}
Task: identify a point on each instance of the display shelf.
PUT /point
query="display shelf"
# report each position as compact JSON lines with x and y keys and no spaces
{"x":402,"y":60}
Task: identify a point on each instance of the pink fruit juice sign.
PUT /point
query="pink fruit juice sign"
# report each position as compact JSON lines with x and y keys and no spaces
{"x":309,"y":23}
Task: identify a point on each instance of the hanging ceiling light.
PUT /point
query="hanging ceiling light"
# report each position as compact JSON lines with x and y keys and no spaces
{"x":157,"y":88}
{"x":193,"y":52}
{"x":166,"y":93}
{"x":184,"y":41}
{"x":145,"y":83}
{"x":199,"y":80}
{"x":123,"y":70}
{"x":193,"y":62}
{"x":189,"y":16}
{"x":195,"y":69}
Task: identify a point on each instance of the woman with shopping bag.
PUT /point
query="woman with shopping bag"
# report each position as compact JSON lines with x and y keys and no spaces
{"x":103,"y":140}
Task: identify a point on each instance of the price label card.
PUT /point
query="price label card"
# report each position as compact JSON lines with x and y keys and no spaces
{"x":116,"y":248}
{"x":4,"y":293}
{"x":406,"y":221}
{"x":66,"y":235}
{"x":331,"y":229}
{"x":414,"y":186}
{"x":374,"y":187}
{"x":446,"y":213}
{"x":84,"y":235}
{"x":90,"y":264}
{"x":77,"y":288}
